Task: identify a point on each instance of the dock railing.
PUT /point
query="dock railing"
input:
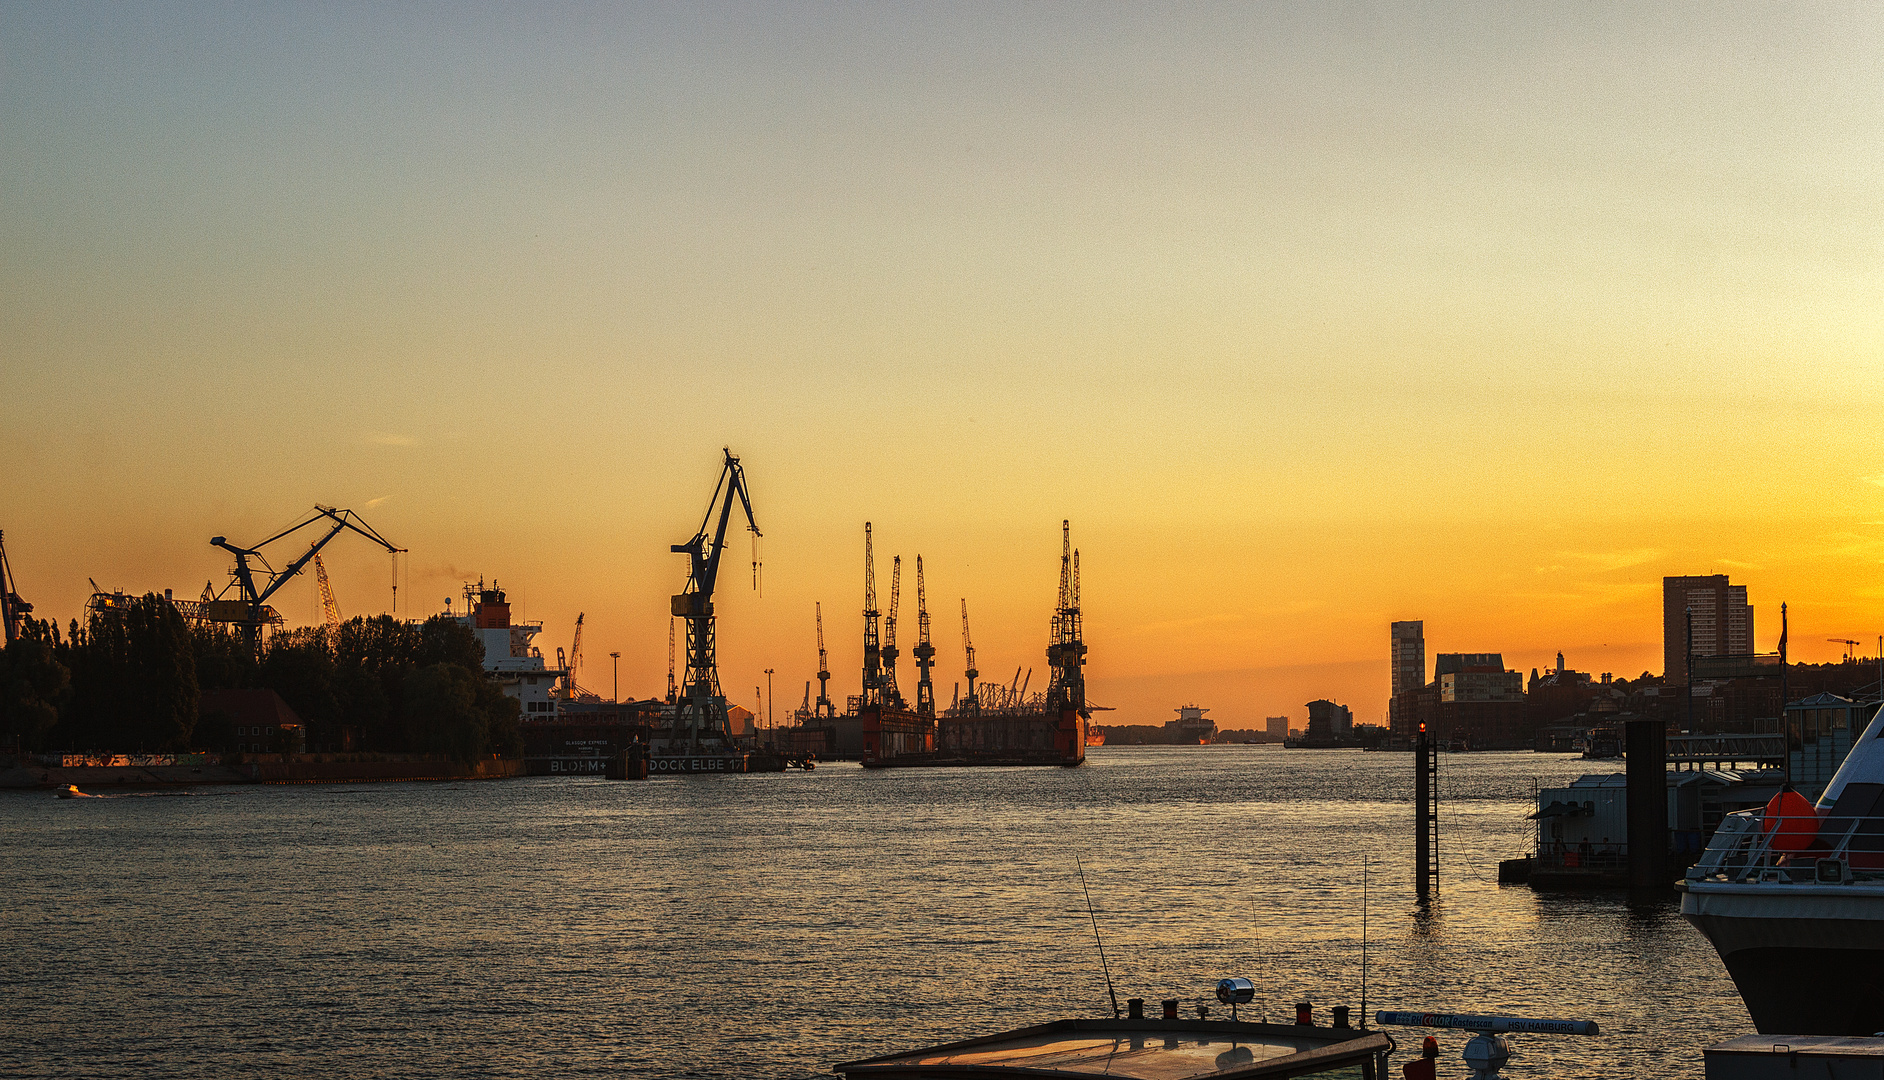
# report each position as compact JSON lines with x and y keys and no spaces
{"x":1752,"y":845}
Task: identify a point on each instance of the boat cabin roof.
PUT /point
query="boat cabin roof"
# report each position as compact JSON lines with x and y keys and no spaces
{"x":1137,"y":1050}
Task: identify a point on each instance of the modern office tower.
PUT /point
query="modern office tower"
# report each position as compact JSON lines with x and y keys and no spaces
{"x":1723,"y":621}
{"x":1278,"y":727}
{"x":1409,"y":655}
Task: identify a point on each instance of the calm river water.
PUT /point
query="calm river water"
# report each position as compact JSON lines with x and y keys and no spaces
{"x":769,"y":926}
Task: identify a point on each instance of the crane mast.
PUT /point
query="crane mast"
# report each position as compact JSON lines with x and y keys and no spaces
{"x":970,"y":704}
{"x":892,"y":696}
{"x":703,"y":708}
{"x":872,"y":653}
{"x":825,"y":709}
{"x":924,"y":652}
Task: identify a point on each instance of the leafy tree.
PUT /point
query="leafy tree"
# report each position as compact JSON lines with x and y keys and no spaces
{"x":133,"y":679}
{"x":300,"y":667}
{"x":33,"y":685}
{"x":453,"y":710}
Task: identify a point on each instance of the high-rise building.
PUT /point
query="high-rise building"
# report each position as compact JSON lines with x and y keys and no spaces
{"x":1278,"y":727}
{"x":1409,"y":655}
{"x":1723,"y":621}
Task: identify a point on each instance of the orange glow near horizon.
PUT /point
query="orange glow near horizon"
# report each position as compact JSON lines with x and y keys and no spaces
{"x":1309,"y":320}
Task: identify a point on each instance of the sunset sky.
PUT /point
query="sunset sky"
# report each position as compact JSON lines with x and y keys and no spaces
{"x":1309,"y":317}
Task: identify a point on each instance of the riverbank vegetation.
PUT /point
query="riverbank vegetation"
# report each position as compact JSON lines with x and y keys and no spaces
{"x":133,"y":679}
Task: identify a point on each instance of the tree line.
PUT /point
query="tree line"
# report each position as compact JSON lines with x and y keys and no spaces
{"x":131,"y":679}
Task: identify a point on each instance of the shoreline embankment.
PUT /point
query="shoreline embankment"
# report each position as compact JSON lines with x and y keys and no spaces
{"x":196,"y":770}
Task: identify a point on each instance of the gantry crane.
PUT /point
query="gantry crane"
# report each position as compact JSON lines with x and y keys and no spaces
{"x":249,"y":609}
{"x":872,"y":654}
{"x":825,"y":709}
{"x":1851,"y":646}
{"x":892,"y":695}
{"x":13,"y":610}
{"x":328,"y":604}
{"x":924,"y":652}
{"x":704,"y":707}
{"x":970,"y":705}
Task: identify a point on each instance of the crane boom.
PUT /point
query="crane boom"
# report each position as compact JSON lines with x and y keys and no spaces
{"x":328,"y":603}
{"x":703,"y":705}
{"x":924,"y":652}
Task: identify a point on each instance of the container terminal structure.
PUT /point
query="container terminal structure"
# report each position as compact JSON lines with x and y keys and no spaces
{"x":991,"y":724}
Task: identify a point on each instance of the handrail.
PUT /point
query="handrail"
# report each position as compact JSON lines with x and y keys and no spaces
{"x":1743,"y":848}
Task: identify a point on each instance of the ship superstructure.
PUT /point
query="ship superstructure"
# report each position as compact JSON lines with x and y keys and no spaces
{"x":509,"y":656}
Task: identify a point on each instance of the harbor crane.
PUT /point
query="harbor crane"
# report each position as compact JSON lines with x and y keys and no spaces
{"x":825,"y":709}
{"x":892,"y":696}
{"x":573,"y":664}
{"x":924,"y":652}
{"x":1066,"y":646}
{"x":969,"y":705}
{"x":704,"y":706}
{"x":249,"y":608}
{"x":13,"y":610}
{"x":872,"y":652}
{"x":328,"y":604}
{"x":1851,"y":646}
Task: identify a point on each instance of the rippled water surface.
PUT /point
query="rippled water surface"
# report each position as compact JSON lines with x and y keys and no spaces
{"x":762,"y":926}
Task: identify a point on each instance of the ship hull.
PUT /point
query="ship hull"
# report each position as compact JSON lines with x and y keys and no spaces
{"x":1807,"y":959}
{"x":894,"y":740}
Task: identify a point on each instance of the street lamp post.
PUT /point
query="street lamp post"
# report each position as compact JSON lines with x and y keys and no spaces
{"x":768,"y":698}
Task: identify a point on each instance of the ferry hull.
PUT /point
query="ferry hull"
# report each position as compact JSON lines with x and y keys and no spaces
{"x":1806,"y":959}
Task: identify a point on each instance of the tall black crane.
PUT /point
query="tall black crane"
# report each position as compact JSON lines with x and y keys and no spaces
{"x":872,"y":654}
{"x":13,"y":610}
{"x":892,"y":696}
{"x":825,"y":710}
{"x":249,"y":610}
{"x":924,"y":652}
{"x":1066,"y":646}
{"x":701,"y":704}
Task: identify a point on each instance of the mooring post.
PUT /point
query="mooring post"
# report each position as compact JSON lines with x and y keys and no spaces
{"x":1648,"y":804}
{"x":1425,"y":815}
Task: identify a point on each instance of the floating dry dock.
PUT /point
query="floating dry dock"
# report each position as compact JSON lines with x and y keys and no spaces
{"x":1139,"y":1050}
